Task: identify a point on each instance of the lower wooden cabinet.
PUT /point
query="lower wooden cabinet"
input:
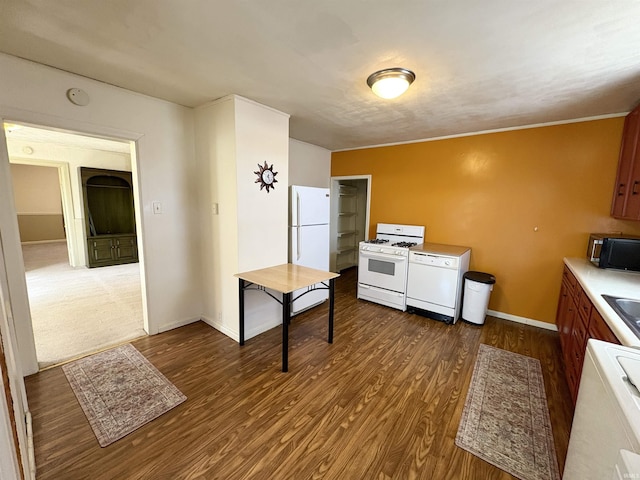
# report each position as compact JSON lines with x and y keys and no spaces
{"x":578,"y":321}
{"x":112,"y":250}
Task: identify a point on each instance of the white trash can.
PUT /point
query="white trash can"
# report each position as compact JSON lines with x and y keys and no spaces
{"x":475,"y":299}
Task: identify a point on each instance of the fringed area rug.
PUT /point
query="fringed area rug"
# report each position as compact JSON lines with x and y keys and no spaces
{"x":506,"y":418}
{"x":119,"y":391}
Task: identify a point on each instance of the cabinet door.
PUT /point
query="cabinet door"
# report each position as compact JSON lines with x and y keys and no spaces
{"x":125,"y":248}
{"x":632,"y":208}
{"x":599,"y":329}
{"x":100,"y":250}
{"x":565,"y":315}
{"x":626,"y":195}
{"x":570,"y":280}
{"x":584,"y":306}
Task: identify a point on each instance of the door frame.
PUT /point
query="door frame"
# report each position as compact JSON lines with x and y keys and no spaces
{"x":13,"y":286}
{"x":64,"y":179}
{"x":8,"y":222}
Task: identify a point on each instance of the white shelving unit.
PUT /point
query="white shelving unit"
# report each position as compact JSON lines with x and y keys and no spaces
{"x":350,"y":197}
{"x":347,"y":234}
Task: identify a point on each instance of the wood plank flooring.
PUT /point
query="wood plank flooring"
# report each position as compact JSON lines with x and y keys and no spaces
{"x":383,"y":402}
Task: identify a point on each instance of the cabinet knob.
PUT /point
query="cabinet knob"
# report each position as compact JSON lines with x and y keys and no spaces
{"x":633,"y":190}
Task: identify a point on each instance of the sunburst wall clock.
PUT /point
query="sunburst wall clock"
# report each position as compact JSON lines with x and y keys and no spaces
{"x":266,"y":176}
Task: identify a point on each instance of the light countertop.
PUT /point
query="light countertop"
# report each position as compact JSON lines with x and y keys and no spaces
{"x":597,"y":281}
{"x":440,"y":249}
{"x":287,"y":277}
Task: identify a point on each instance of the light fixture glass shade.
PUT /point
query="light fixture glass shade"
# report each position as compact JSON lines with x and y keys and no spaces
{"x":390,"y":83}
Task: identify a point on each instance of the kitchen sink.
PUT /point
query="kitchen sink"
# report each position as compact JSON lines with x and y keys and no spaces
{"x":628,"y":309}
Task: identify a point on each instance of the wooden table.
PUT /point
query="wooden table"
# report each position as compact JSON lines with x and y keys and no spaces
{"x":286,"y":279}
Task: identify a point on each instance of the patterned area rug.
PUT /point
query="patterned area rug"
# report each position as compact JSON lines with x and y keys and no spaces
{"x":119,"y":391}
{"x":506,"y":418}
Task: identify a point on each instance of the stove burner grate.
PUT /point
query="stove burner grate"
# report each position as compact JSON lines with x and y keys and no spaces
{"x":377,"y":241}
{"x":404,"y":244}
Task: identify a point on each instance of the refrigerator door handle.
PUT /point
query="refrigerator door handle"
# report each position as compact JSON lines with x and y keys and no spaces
{"x":298,"y":223}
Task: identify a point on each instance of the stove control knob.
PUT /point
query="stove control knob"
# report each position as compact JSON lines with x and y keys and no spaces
{"x":447,"y":263}
{"x":398,"y":252}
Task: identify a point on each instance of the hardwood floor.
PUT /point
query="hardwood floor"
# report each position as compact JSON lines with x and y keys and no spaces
{"x":384,"y":401}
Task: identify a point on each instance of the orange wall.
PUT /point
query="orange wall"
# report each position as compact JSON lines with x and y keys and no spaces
{"x":491,"y":191}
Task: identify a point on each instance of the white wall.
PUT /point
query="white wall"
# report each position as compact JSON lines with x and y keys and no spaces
{"x":233,"y":136}
{"x":309,"y":164}
{"x":165,"y":172}
{"x":216,"y":154}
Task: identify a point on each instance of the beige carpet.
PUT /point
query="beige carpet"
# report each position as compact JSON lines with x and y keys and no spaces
{"x":506,"y":418}
{"x":76,"y":311}
{"x":120,"y":391}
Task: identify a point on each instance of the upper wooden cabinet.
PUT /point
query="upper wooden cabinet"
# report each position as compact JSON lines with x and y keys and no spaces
{"x":626,"y":195}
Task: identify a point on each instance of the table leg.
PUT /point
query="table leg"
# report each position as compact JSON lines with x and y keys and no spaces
{"x":331,"y":302}
{"x":286,"y":314}
{"x":241,"y":307}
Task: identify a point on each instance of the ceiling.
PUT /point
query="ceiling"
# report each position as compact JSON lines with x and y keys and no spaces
{"x":480,"y":65}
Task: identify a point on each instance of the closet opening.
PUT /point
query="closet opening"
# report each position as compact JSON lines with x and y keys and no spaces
{"x":350,"y":201}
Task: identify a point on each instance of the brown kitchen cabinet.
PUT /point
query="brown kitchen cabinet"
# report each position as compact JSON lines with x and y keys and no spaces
{"x":578,"y":321}
{"x":626,"y":195}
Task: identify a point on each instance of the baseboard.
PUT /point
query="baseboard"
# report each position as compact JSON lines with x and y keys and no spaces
{"x":234,"y":334}
{"x":526,"y":321}
{"x":178,"y":324}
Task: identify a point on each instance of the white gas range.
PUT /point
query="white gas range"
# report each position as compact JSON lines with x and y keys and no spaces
{"x":383,"y":264}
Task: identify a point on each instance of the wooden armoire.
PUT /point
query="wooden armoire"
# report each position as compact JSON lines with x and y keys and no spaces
{"x":110,"y":223}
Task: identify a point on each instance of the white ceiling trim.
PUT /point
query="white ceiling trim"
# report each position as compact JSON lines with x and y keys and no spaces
{"x":497,"y":130}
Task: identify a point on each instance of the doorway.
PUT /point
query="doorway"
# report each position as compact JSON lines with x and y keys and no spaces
{"x":74,"y":310}
{"x":350,"y":203}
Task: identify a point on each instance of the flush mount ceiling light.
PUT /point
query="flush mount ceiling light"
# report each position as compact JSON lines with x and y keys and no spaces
{"x":391,"y":82}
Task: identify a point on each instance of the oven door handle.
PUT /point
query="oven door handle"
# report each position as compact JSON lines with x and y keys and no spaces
{"x":383,"y":256}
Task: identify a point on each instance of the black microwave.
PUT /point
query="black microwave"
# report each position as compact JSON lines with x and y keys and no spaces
{"x":620,"y":252}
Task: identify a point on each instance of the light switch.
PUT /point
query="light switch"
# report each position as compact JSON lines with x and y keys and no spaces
{"x":157,"y":208}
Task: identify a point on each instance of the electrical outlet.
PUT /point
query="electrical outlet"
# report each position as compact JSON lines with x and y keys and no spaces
{"x":214,"y":209}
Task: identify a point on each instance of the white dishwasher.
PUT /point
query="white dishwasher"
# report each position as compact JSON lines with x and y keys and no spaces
{"x":434,"y":283}
{"x":605,"y":435}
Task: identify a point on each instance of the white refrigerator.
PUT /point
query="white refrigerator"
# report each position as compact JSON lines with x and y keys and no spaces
{"x":309,"y":238}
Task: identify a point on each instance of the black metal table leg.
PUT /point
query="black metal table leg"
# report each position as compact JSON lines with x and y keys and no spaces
{"x":241,"y":307}
{"x":286,"y":313}
{"x":331,"y":302}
